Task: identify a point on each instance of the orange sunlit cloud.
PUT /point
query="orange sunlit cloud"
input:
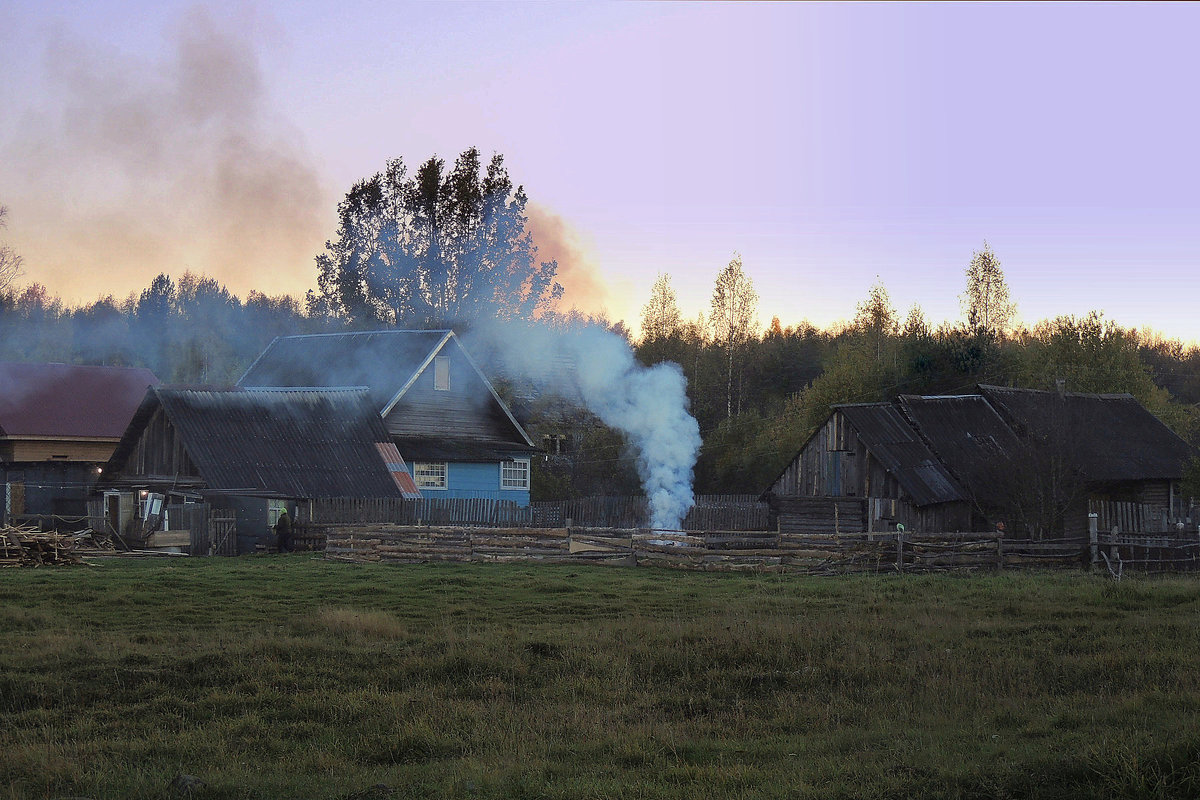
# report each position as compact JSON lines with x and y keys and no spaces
{"x":584,"y":288}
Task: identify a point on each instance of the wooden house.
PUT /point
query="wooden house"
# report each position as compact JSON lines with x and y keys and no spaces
{"x":257,"y":452}
{"x":58,"y":424}
{"x":458,"y":437}
{"x":1034,"y":461}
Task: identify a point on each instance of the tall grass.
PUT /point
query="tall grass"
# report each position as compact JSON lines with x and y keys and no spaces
{"x":292,"y":677}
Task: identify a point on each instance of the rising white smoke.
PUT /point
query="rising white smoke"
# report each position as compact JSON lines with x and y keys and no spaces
{"x":648,"y":404}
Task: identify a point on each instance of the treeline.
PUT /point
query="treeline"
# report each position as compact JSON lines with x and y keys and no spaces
{"x":787,"y":378}
{"x":190,"y":331}
{"x":784,"y":378}
{"x":449,"y":246}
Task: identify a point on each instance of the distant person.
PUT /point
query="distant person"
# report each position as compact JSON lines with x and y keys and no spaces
{"x":283,"y":532}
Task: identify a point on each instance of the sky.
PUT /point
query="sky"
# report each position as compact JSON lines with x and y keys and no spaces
{"x":832,"y":146}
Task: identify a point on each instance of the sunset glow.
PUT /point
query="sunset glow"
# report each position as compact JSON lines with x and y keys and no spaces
{"x":832,"y":146}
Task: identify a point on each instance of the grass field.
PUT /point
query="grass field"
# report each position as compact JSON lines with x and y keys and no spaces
{"x":292,"y":677}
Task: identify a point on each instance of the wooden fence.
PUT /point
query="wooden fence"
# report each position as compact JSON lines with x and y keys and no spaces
{"x":210,"y":531}
{"x":718,"y":550}
{"x":1132,"y":517}
{"x":711,"y":512}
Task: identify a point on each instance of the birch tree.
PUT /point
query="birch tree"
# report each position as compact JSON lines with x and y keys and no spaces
{"x":734,"y":317}
{"x":986,"y":303}
{"x":660,"y":317}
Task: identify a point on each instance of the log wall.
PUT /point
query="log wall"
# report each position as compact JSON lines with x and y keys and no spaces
{"x":816,"y":554}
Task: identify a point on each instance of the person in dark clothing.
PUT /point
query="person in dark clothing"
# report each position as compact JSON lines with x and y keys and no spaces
{"x":283,"y":532}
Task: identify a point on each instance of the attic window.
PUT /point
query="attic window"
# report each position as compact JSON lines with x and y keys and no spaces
{"x":441,"y":373}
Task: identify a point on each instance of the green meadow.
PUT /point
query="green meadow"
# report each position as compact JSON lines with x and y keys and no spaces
{"x":293,"y":677}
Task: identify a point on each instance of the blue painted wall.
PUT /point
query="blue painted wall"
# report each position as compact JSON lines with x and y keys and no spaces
{"x":472,"y":480}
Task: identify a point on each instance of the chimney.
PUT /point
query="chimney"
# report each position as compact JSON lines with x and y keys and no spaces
{"x":1061,"y":385}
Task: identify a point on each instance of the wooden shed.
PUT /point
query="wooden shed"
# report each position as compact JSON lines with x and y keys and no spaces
{"x":1035,"y":461}
{"x":58,"y":424}
{"x":256,"y":452}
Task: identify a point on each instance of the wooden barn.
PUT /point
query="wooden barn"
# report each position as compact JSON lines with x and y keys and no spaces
{"x":1029,"y":460}
{"x":58,"y":424}
{"x":458,"y":437}
{"x":255,"y":452}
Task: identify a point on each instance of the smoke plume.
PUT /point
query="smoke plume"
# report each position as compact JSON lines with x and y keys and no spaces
{"x":124,"y":167}
{"x":648,"y":404}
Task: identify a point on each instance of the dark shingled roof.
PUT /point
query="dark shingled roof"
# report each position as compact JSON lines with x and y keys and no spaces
{"x":70,"y":400}
{"x":381,"y":361}
{"x":1112,"y":437}
{"x":269,"y":443}
{"x":900,"y":449}
{"x":957,"y":447}
{"x":968,"y":436}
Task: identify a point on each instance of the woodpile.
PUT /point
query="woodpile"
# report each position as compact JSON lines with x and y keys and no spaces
{"x":762,"y":551}
{"x":29,"y":547}
{"x":407,"y":544}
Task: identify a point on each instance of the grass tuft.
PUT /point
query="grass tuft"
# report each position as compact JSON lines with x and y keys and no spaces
{"x":354,"y":622}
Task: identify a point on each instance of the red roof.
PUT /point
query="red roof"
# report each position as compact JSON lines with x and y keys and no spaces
{"x":70,"y":400}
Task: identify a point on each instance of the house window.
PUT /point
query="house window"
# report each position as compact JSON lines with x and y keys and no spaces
{"x":441,"y":373}
{"x":514,"y":474}
{"x":430,"y":474}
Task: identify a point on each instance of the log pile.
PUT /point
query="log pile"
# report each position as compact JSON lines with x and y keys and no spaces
{"x":764,"y":551}
{"x":29,"y":547}
{"x":408,"y":544}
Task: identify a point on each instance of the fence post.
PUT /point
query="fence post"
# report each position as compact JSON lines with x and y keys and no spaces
{"x":900,"y":551}
{"x":1094,"y":536}
{"x":999,"y":551}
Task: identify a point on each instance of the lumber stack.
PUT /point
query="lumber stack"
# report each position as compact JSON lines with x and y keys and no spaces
{"x":29,"y":547}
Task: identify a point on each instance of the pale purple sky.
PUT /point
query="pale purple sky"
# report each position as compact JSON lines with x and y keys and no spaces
{"x":831,"y":145}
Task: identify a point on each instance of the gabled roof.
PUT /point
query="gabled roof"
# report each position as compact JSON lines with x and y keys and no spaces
{"x":969,"y":438}
{"x":386,"y":363}
{"x":274,"y":443}
{"x":69,"y":400}
{"x":900,"y":449}
{"x":1112,"y":437}
{"x":943,"y":448}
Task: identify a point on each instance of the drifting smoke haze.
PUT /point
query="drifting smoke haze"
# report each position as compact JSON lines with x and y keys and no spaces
{"x":584,"y":288}
{"x":648,"y":404}
{"x":128,"y":168}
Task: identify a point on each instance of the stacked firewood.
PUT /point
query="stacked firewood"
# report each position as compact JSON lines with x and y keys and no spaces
{"x":29,"y":547}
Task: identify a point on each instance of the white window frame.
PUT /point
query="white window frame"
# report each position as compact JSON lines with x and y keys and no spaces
{"x":441,"y":373}
{"x":512,"y":470}
{"x":431,"y":475}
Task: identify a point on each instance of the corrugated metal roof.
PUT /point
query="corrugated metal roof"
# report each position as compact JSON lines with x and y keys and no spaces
{"x":396,"y":466}
{"x":1112,"y":437}
{"x":70,"y":400}
{"x":293,"y":443}
{"x":899,"y":448}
